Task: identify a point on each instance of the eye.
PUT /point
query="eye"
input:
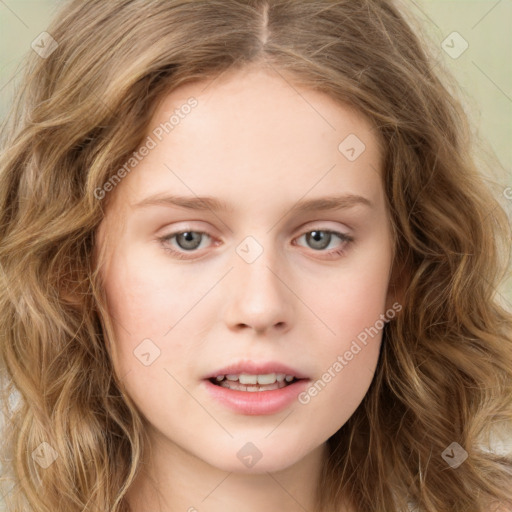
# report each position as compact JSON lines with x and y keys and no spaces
{"x":320,"y":239}
{"x":188,"y":241}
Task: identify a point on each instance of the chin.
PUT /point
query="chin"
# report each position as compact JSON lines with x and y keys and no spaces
{"x":266,"y":461}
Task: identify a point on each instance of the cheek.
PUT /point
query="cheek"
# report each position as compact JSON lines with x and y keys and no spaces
{"x":144,"y":304}
{"x":355,"y":297}
{"x":348,"y":356}
{"x":353,"y":306}
{"x":142,"y":296}
{"x":143,"y":312}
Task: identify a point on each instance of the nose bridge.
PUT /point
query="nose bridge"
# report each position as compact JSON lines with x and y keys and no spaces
{"x":259,"y":297}
{"x":257,"y":265}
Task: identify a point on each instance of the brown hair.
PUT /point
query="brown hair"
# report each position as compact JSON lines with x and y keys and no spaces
{"x":445,"y":368}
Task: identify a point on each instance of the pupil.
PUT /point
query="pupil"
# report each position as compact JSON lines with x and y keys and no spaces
{"x":188,"y":238}
{"x":317,"y":236}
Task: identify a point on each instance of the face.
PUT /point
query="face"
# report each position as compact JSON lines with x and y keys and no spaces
{"x":264,"y":273}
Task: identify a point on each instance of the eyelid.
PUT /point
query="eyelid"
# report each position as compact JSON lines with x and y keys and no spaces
{"x":305,"y":228}
{"x":345,"y":238}
{"x":318,"y":225}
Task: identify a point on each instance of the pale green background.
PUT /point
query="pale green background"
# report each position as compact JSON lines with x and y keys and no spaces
{"x":483,"y":71}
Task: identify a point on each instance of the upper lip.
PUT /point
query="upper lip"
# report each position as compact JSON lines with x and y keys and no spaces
{"x":256,"y":368}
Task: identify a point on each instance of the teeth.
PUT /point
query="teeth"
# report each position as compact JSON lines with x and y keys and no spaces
{"x":263,"y":380}
{"x":251,"y":388}
{"x":245,"y":378}
{"x":269,"y":378}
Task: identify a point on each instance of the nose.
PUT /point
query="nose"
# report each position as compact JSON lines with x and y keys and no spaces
{"x":259,"y":296}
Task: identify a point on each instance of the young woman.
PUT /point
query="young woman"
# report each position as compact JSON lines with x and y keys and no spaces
{"x":248,"y":263}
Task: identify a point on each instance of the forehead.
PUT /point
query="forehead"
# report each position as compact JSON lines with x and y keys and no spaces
{"x":253,"y":133}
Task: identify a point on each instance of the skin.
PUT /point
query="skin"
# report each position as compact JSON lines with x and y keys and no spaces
{"x":260,"y":144}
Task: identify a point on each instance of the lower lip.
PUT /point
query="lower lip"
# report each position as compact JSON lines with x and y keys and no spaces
{"x":257,"y":402}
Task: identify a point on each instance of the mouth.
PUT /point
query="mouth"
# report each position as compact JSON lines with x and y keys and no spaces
{"x":254,"y":383}
{"x":255,"y":394}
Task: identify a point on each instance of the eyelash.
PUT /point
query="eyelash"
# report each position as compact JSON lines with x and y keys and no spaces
{"x":180,"y":254}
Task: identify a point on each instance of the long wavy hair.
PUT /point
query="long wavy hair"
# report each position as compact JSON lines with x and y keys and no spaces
{"x":72,"y":440}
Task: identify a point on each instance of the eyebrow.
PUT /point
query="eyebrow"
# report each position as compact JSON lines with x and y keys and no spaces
{"x":328,"y":203}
